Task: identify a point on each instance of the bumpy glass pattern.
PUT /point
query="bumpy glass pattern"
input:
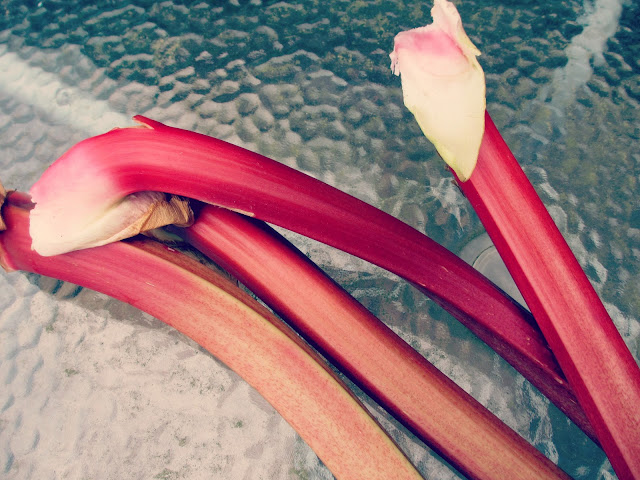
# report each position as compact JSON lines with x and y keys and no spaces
{"x":92,"y":388}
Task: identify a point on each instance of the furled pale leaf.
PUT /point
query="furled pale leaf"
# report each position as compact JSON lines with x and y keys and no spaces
{"x":443,"y":86}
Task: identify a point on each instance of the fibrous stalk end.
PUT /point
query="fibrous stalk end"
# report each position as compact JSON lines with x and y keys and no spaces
{"x":3,"y":195}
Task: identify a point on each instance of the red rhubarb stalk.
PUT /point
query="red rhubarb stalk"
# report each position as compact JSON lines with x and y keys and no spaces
{"x":604,"y":375}
{"x":98,"y":173}
{"x":232,"y":326}
{"x":365,"y":349}
{"x":443,"y":86}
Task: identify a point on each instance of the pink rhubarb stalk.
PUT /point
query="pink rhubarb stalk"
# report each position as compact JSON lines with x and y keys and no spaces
{"x":604,"y":375}
{"x":438,"y":66}
{"x":439,"y":412}
{"x":96,"y":174}
{"x":232,"y":326}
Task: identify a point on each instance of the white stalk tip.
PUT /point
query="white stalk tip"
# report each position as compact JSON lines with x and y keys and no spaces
{"x":134,"y":214}
{"x":443,"y":86}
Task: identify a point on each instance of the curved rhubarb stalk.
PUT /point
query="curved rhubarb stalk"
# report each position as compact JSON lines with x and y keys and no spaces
{"x":362,"y":347}
{"x":604,"y":375}
{"x":232,"y":326}
{"x":99,"y":172}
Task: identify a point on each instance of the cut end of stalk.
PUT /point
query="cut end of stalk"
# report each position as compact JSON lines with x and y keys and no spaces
{"x":4,"y":258}
{"x":3,"y":195}
{"x":443,"y":86}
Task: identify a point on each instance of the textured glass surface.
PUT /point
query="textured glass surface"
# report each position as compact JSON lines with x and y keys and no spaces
{"x":90,"y":388}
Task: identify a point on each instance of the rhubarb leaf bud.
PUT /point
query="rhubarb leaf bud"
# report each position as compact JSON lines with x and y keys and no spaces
{"x":443,"y":86}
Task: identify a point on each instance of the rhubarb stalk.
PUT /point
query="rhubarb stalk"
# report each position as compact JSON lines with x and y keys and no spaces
{"x":365,"y":349}
{"x":604,"y":375}
{"x":99,"y":172}
{"x":602,"y":372}
{"x":232,"y":326}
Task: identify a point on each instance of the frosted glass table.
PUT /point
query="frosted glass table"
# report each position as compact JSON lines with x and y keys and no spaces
{"x":92,"y":388}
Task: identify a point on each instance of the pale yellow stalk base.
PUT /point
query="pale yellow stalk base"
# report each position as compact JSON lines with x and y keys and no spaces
{"x":443,"y":86}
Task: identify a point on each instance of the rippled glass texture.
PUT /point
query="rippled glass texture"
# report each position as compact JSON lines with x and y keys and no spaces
{"x":92,"y":388}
